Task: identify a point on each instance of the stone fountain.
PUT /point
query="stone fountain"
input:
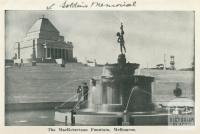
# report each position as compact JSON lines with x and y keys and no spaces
{"x":114,"y":87}
{"x":117,"y":92}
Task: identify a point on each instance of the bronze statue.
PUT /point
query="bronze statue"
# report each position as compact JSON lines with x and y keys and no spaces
{"x":120,"y":39}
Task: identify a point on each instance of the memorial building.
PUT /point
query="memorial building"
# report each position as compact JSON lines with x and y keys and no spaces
{"x":43,"y":43}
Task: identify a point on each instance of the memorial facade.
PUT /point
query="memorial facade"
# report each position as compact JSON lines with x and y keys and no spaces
{"x":43,"y":43}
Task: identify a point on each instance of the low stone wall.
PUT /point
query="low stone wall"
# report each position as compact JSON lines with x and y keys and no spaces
{"x":111,"y":119}
{"x":36,"y":106}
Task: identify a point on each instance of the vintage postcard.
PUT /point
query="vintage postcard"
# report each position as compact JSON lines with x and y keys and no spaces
{"x":100,"y":66}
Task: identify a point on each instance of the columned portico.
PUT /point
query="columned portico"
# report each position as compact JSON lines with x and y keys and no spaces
{"x":55,"y":53}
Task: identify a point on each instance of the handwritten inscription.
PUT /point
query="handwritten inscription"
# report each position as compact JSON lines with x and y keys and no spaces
{"x":123,"y":4}
{"x":67,"y":4}
{"x":93,"y":4}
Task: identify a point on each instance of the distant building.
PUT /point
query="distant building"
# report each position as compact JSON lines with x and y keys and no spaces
{"x":160,"y":66}
{"x":43,"y":43}
{"x":91,"y":63}
{"x":172,"y":63}
{"x":163,"y":66}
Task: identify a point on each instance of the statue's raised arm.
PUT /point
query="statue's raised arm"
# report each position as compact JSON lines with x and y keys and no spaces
{"x":122,"y":30}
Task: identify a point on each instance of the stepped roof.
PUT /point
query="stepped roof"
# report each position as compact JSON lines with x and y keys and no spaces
{"x":43,"y":24}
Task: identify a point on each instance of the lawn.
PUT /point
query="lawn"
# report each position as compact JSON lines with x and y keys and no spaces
{"x":51,"y":83}
{"x":46,"y":82}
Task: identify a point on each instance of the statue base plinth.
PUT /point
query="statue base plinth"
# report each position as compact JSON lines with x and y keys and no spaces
{"x":121,"y":59}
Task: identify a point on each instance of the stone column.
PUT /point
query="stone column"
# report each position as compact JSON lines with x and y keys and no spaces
{"x":46,"y":52}
{"x":18,"y":44}
{"x":34,"y":54}
{"x":50,"y":52}
{"x":61,"y":53}
{"x":43,"y":52}
{"x":57,"y":53}
{"x":70,"y":54}
{"x":54,"y":53}
{"x":66,"y":54}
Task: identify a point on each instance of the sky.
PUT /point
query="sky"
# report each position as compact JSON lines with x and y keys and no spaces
{"x":148,"y":34}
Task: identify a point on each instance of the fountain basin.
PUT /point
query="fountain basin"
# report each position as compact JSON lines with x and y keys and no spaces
{"x":114,"y":118}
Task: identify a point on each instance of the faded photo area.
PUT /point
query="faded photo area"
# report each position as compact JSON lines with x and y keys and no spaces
{"x":99,"y":68}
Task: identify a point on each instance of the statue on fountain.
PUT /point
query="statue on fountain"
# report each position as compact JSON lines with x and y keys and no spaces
{"x":120,"y":40}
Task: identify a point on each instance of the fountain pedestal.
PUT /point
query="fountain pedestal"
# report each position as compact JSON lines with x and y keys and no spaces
{"x":114,"y":87}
